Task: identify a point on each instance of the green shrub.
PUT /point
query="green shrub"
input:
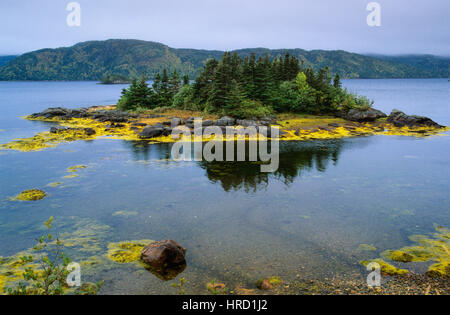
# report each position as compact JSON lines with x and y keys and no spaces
{"x":184,"y":99}
{"x":139,"y":94}
{"x":251,"y":109}
{"x":286,"y":97}
{"x":49,"y":272}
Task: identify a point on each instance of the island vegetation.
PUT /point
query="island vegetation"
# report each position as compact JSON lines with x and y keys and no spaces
{"x":247,"y":87}
{"x":114,"y":79}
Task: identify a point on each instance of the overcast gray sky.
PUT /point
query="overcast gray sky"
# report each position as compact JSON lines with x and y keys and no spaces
{"x":419,"y":26}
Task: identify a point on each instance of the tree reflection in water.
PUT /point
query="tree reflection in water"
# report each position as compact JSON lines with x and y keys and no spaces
{"x":296,"y":158}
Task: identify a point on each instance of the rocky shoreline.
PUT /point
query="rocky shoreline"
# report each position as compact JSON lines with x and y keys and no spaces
{"x":106,"y":121}
{"x":116,"y":118}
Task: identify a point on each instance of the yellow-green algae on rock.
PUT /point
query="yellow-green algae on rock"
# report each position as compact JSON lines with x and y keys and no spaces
{"x":127,"y":251}
{"x":386,"y":268}
{"x":295,"y":128}
{"x":55,"y":184}
{"x":366,"y":247}
{"x":30,"y":195}
{"x":73,"y":170}
{"x":436,"y":248}
{"x":71,"y":176}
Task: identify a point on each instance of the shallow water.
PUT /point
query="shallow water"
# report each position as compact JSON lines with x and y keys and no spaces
{"x":237,"y":224}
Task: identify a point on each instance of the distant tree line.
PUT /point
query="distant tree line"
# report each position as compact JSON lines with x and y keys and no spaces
{"x":246,"y":87}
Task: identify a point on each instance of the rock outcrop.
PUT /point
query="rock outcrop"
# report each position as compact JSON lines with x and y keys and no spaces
{"x":155,"y":131}
{"x":400,"y":119}
{"x":114,"y":116}
{"x":368,"y":115}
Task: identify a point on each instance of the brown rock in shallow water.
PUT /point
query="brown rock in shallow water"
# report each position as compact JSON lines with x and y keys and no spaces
{"x":163,"y":253}
{"x":265,"y":285}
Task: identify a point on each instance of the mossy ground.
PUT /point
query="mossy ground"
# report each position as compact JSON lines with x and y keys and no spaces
{"x":296,"y":128}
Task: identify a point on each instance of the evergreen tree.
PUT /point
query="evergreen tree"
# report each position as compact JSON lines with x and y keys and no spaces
{"x":221,"y":86}
{"x":186,"y":80}
{"x":262,"y":79}
{"x":203,"y":83}
{"x":138,"y":95}
{"x":250,"y":77}
{"x":337,"y":81}
{"x":234,"y":98}
{"x":174,"y":84}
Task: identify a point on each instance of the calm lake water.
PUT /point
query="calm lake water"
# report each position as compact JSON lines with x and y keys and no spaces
{"x":237,"y":224}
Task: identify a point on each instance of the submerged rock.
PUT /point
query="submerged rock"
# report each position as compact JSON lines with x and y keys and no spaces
{"x":400,"y":119}
{"x":30,"y":195}
{"x":163,"y":253}
{"x":268,"y":283}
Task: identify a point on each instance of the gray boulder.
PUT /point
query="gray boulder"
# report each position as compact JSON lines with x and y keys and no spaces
{"x":175,"y":122}
{"x":151,"y":132}
{"x":246,"y":122}
{"x":225,"y":121}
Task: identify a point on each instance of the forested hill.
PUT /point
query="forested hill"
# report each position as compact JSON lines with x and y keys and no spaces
{"x":91,"y":60}
{"x":5,"y":59}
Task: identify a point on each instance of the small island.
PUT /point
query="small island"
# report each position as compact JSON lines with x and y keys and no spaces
{"x":114,"y":79}
{"x":299,"y":103}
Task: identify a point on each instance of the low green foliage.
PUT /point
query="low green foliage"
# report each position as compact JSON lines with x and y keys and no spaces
{"x":48,"y":270}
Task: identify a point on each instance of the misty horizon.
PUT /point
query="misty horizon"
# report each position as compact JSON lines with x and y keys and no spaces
{"x":237,"y":49}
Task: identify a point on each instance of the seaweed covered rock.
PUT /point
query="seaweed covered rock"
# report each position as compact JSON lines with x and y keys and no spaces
{"x":400,"y":119}
{"x":386,"y":268}
{"x":30,"y":195}
{"x":163,"y":253}
{"x":357,"y":115}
